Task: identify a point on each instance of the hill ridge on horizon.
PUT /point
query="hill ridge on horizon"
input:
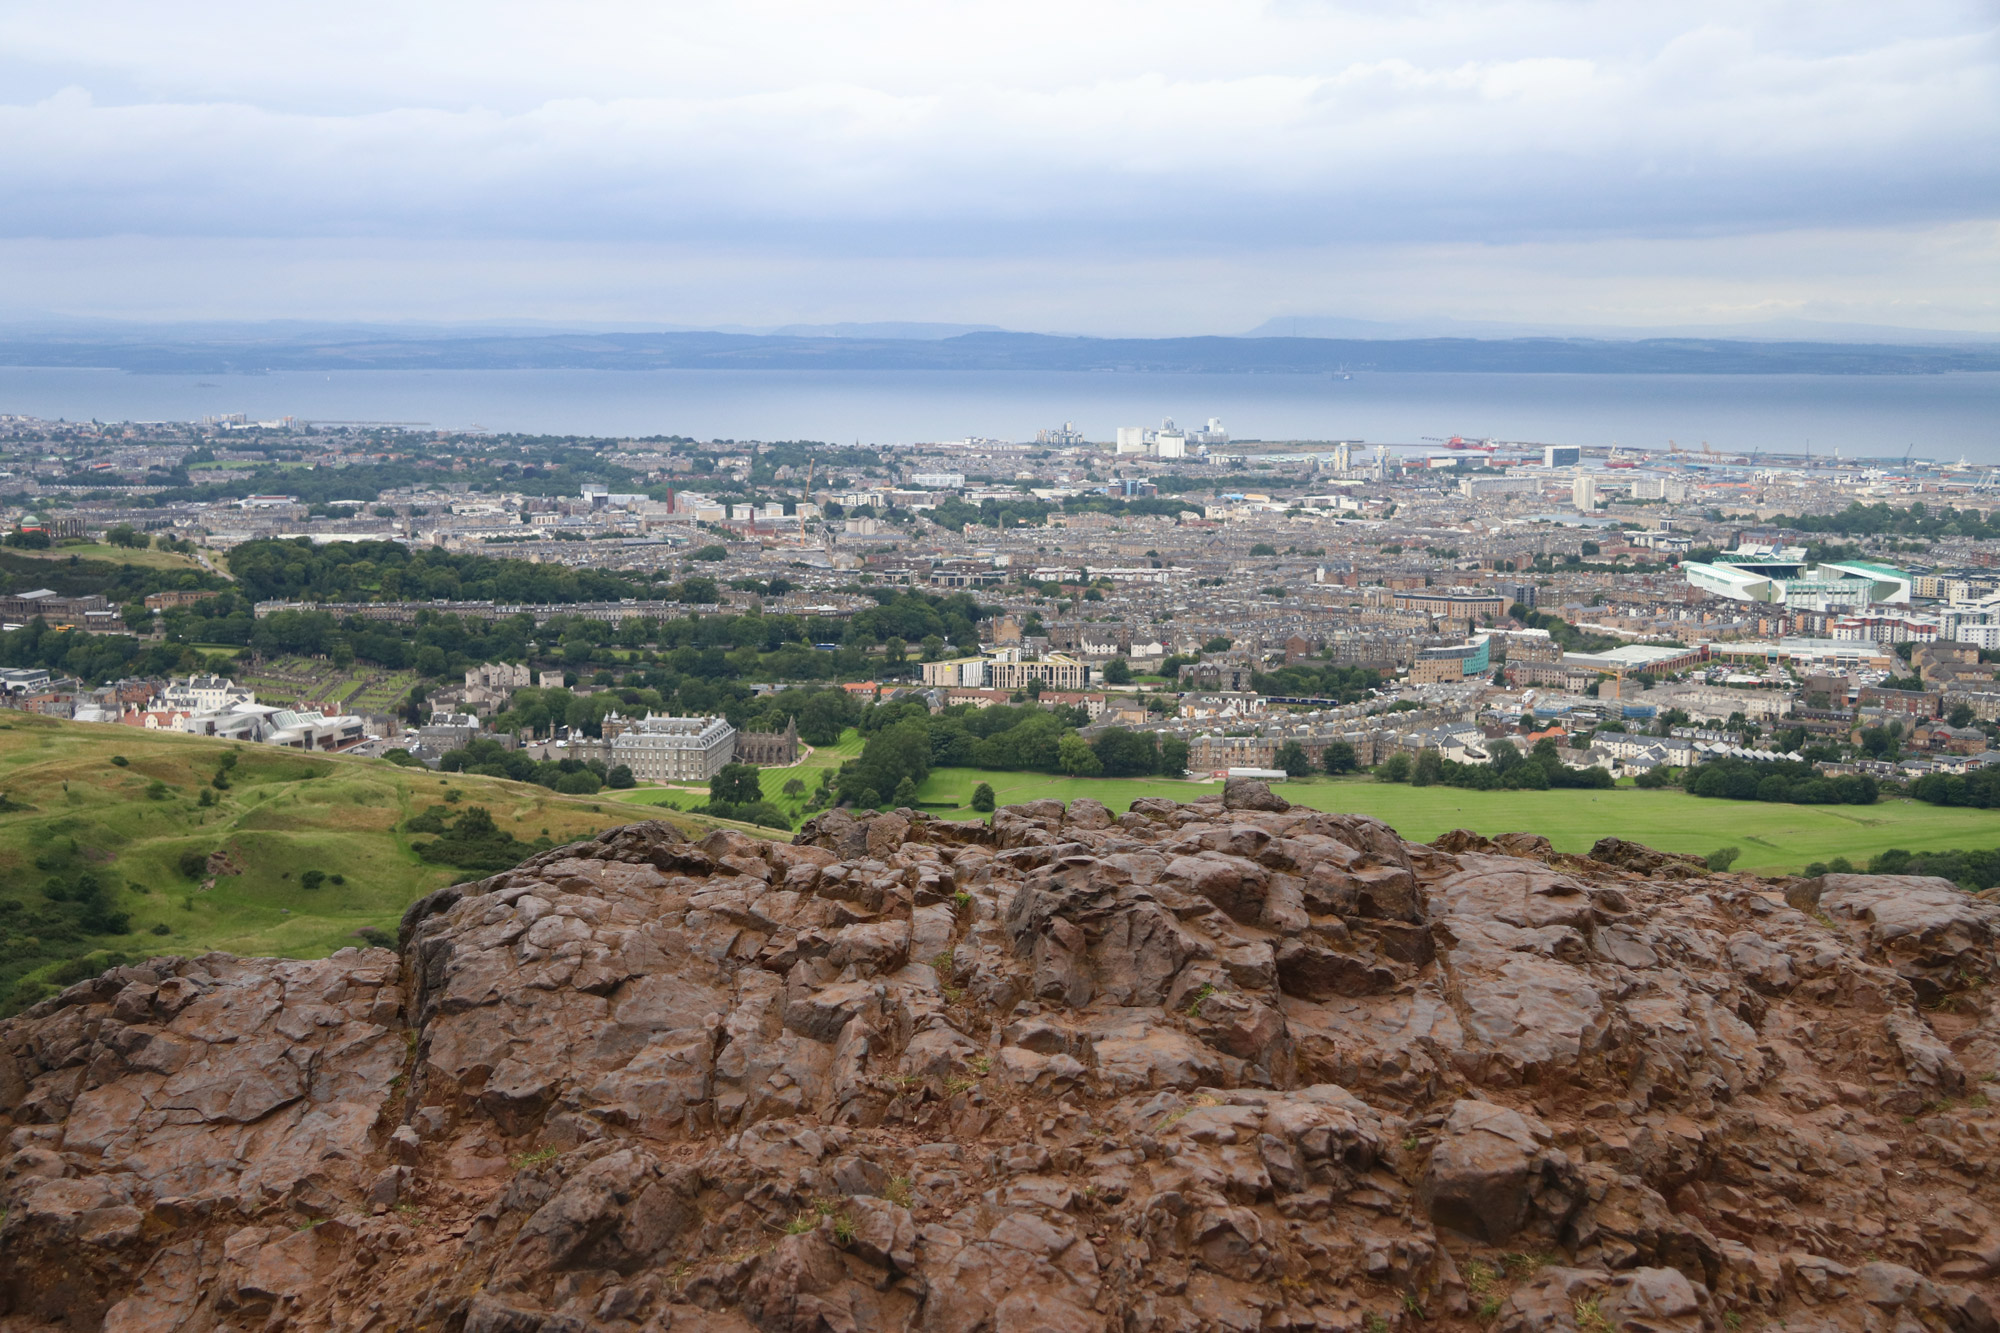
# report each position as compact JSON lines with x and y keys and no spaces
{"x":983,"y":350}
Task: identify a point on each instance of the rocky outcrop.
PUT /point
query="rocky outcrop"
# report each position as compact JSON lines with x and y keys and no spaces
{"x":1229,"y":1065}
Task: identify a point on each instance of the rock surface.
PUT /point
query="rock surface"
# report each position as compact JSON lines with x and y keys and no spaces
{"x":1231,"y":1065}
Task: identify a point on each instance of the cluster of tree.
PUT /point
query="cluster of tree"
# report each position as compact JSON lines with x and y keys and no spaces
{"x":1305,"y":680}
{"x":1149,"y":505}
{"x":1777,"y":780}
{"x":1336,"y":758}
{"x":93,"y":657}
{"x":548,"y":466}
{"x":737,"y":792}
{"x":716,"y":649}
{"x":1566,"y":636}
{"x":571,"y":777}
{"x":118,"y":584}
{"x":1881,"y":520}
{"x":1970,"y":870}
{"x":954,"y":513}
{"x":470,"y":842}
{"x":1979,"y":789}
{"x":295,"y":570}
{"x":905,"y":742}
{"x":1506,"y":769}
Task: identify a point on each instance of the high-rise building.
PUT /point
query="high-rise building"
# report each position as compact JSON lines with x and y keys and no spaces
{"x":1131,"y":439}
{"x":1585,"y":493}
{"x":1561,"y":455}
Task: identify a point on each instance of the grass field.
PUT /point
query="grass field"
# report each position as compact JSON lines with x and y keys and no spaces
{"x":145,"y":557}
{"x":1774,"y":838}
{"x":282,"y":814}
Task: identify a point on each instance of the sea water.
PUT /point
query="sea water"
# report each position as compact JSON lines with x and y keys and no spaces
{"x":1938,"y":416}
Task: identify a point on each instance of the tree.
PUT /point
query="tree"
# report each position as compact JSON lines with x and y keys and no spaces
{"x":906,"y":793}
{"x":620,"y":777}
{"x":793,"y":787}
{"x":1723,"y":857}
{"x":1428,"y":769}
{"x":1263,"y":548}
{"x":1502,"y":756}
{"x":312,"y":879}
{"x":1292,"y":757}
{"x":1173,"y":756}
{"x":1396,"y":768}
{"x":123,"y":535}
{"x":1338,"y":758}
{"x":1126,"y":754}
{"x":1076,"y":758}
{"x":1961,"y":715}
{"x":1219,"y":644}
{"x":1117,"y":672}
{"x":736,"y":784}
{"x":933,"y":645}
{"x":982,"y":798}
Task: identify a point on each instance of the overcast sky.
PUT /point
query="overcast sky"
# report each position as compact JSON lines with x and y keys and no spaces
{"x":1145,"y":168}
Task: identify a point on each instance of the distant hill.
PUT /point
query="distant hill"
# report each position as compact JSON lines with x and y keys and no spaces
{"x":856,"y":350}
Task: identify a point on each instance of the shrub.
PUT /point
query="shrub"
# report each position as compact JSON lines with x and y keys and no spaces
{"x":620,"y":777}
{"x":312,"y":879}
{"x":120,"y":760}
{"x":982,"y":798}
{"x":192,"y":864}
{"x":162,"y":928}
{"x":1723,"y":857}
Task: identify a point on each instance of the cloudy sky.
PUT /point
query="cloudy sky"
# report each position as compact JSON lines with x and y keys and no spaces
{"x":1143,"y":168}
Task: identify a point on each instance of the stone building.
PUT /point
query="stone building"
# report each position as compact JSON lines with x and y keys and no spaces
{"x":675,"y":749}
{"x":771,"y":749}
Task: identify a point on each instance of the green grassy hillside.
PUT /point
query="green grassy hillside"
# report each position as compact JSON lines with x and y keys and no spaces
{"x":93,"y":840}
{"x":1774,"y":838}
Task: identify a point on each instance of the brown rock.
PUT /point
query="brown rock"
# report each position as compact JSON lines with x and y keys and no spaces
{"x":1222,"y":1065}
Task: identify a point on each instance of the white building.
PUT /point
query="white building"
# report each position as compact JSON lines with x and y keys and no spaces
{"x":1561,"y":455}
{"x":675,"y":749}
{"x":940,"y":481}
{"x":1584,"y":491}
{"x":207,"y":694}
{"x":1131,"y":439}
{"x":1671,"y":489}
{"x":1170,"y":442}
